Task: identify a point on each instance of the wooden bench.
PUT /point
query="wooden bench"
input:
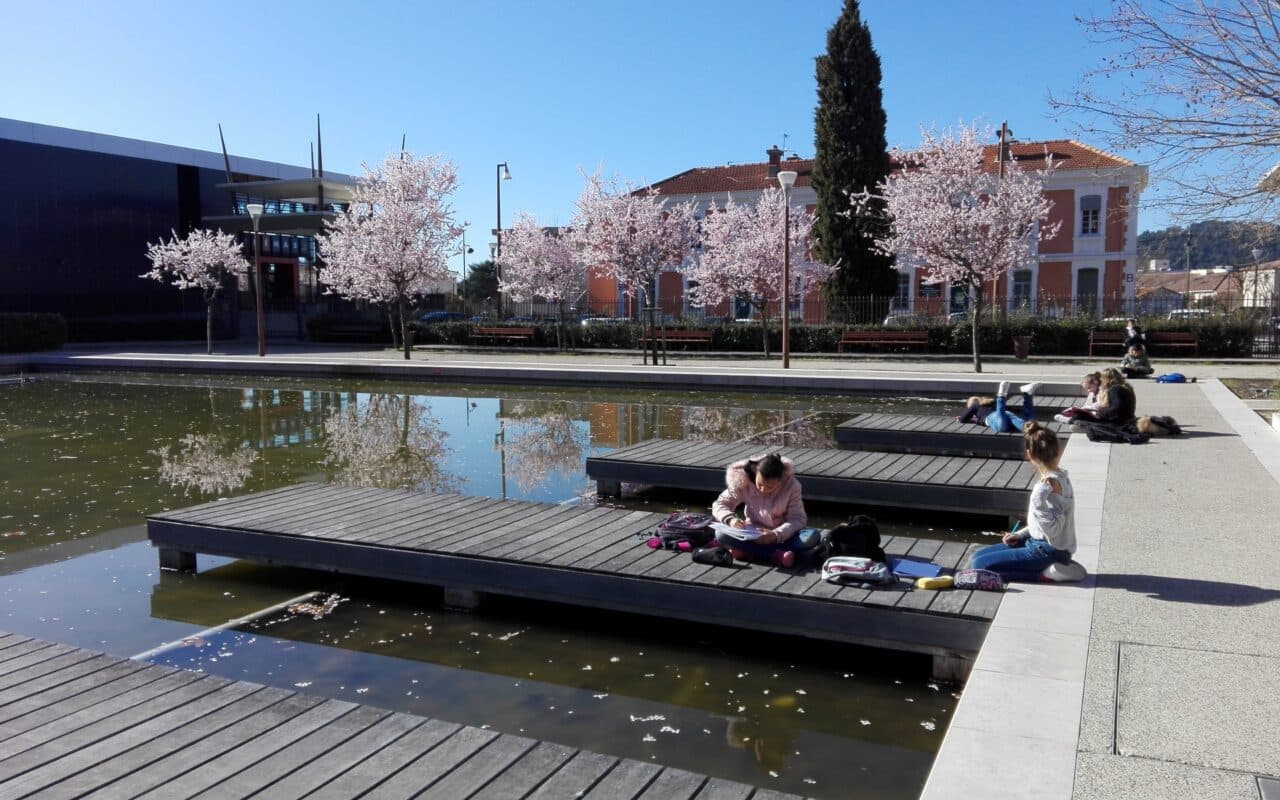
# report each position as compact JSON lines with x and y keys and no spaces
{"x":1174,"y":340}
{"x":1106,"y":339}
{"x":883,"y":338}
{"x":509,"y":334}
{"x":677,"y":337}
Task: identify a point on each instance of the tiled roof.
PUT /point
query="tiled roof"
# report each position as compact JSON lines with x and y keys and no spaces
{"x":1067,"y":155}
{"x":1149,"y":282}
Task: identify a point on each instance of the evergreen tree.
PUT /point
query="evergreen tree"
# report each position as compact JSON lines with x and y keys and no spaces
{"x":850,"y":156}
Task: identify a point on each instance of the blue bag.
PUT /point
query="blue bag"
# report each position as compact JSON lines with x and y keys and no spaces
{"x":1172,"y":377}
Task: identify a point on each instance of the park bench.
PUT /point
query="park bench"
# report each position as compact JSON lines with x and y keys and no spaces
{"x":1174,"y":340}
{"x":1106,"y":339}
{"x":884,"y":338}
{"x":506,"y":333}
{"x":677,"y":336}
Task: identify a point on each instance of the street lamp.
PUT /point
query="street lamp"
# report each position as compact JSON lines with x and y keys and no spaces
{"x":255,"y":212}
{"x":502,"y":174}
{"x":1186,"y":302}
{"x":1257,"y":257}
{"x":787,"y":179}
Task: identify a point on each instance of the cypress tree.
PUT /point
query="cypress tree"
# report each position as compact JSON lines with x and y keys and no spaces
{"x":850,"y":154}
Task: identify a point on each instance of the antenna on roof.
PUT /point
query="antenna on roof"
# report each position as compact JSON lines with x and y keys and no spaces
{"x":313,"y":158}
{"x":784,"y":140}
{"x":319,"y":148}
{"x":402,"y":137}
{"x":226,"y":160}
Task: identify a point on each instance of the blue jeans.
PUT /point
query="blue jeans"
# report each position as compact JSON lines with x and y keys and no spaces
{"x":801,"y":544}
{"x":1002,"y":420}
{"x":1022,"y":563}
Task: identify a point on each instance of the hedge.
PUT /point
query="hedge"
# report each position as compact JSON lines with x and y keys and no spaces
{"x":126,"y":329}
{"x":25,"y":333}
{"x":350,"y":328}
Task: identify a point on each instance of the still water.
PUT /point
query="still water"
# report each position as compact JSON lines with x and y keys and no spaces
{"x":84,"y":458}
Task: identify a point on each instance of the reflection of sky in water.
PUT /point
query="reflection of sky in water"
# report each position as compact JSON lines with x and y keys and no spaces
{"x":82,"y":468}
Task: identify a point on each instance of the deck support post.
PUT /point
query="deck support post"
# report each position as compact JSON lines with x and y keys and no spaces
{"x":606,"y":488}
{"x":461,"y":599}
{"x":952,"y":667}
{"x":177,"y":560}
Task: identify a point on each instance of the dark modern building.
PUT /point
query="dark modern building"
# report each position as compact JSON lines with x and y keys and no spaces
{"x":79,"y":209}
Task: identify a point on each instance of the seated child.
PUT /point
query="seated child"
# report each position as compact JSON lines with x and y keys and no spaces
{"x":1135,"y":363}
{"x":992,"y":411}
{"x":1090,"y":384}
{"x":767,"y":487}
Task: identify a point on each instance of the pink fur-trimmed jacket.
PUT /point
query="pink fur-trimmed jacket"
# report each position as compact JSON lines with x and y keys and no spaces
{"x":782,"y":511}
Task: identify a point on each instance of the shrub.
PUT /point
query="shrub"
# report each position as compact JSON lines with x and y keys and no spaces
{"x":25,"y":333}
{"x":161,"y":328}
{"x":372,"y":329}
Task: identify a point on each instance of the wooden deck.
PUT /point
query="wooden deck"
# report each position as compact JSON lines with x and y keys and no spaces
{"x":945,"y":483}
{"x":1046,"y":405}
{"x":942,"y":435}
{"x":82,"y":724}
{"x":587,"y":556}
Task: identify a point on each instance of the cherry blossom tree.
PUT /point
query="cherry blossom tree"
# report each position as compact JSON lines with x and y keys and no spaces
{"x":540,"y":263}
{"x":390,"y":442}
{"x":950,"y":213}
{"x":203,"y":260}
{"x":633,"y":235}
{"x":206,"y":463}
{"x":542,"y":441}
{"x":391,"y":244}
{"x":742,"y":255}
{"x":1194,"y":85}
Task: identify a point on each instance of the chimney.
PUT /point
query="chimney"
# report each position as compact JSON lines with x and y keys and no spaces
{"x":775,"y":160}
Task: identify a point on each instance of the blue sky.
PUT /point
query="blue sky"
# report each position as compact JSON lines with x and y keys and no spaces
{"x":646,"y":89}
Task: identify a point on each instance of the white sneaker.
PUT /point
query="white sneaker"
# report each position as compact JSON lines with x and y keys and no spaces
{"x":1031,"y":388}
{"x":1003,"y":391}
{"x":1061,"y":418}
{"x":1072,"y":572}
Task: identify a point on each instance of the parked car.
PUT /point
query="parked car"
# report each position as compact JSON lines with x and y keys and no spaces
{"x":441,"y":316}
{"x":1188,"y":314}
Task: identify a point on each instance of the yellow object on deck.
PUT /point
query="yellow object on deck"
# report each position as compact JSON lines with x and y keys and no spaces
{"x":940,"y":582}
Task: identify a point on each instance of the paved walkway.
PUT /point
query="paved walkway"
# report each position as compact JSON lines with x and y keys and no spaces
{"x":1179,"y":693}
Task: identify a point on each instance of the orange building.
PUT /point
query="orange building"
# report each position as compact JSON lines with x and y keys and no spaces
{"x":1090,"y":265}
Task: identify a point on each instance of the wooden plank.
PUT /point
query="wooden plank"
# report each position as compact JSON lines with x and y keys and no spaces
{"x":673,"y":784}
{"x":578,"y":775}
{"x":497,"y":756}
{"x":486,"y":512}
{"x":298,"y":754}
{"x":23,"y":678}
{"x":407,"y":749}
{"x":625,"y":780}
{"x":227,"y":508}
{"x":140,"y":756}
{"x":251,"y":507}
{"x":411,"y":526}
{"x":525,"y":775}
{"x":435,"y":764}
{"x":721,"y":789}
{"x":593,"y":517}
{"x":78,"y":692}
{"x":203,"y":753}
{"x":532,"y":520}
{"x":982,"y":605}
{"x":247,"y":753}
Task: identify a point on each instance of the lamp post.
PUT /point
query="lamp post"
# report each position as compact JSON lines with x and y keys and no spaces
{"x":786,"y":179}
{"x":1186,"y":301}
{"x":1257,"y":257}
{"x":1002,"y":154}
{"x":255,"y":212}
{"x":503,"y":173}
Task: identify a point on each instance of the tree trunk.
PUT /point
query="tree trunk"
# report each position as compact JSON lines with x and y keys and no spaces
{"x":395,"y":332}
{"x":764,"y":326}
{"x":977,"y":314}
{"x":208,"y":325}
{"x":404,"y":328}
{"x":560,"y":326}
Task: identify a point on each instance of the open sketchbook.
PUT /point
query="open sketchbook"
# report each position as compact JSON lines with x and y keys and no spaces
{"x":747,"y":534}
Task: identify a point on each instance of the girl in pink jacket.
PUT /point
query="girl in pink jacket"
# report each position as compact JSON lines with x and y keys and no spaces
{"x":767,"y":487}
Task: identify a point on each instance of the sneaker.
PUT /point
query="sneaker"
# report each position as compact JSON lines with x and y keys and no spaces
{"x":654,"y":543}
{"x":1061,"y":418}
{"x":1003,"y":391}
{"x":716,"y":556}
{"x":785,"y":558}
{"x":1031,"y":388}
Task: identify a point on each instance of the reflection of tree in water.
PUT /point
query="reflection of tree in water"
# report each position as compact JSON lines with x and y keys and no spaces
{"x":763,"y":427}
{"x":547,"y":440}
{"x":389,"y":442}
{"x":205,"y":463}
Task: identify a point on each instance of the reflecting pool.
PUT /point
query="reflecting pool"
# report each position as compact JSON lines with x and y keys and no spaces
{"x":87,"y":457}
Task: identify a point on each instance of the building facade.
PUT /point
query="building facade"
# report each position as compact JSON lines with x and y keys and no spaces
{"x":1090,"y":266}
{"x":80,"y":209}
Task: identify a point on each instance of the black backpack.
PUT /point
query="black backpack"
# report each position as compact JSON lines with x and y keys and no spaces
{"x":859,"y":537}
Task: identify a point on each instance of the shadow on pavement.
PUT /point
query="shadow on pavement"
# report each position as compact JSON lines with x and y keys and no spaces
{"x":1190,"y":590}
